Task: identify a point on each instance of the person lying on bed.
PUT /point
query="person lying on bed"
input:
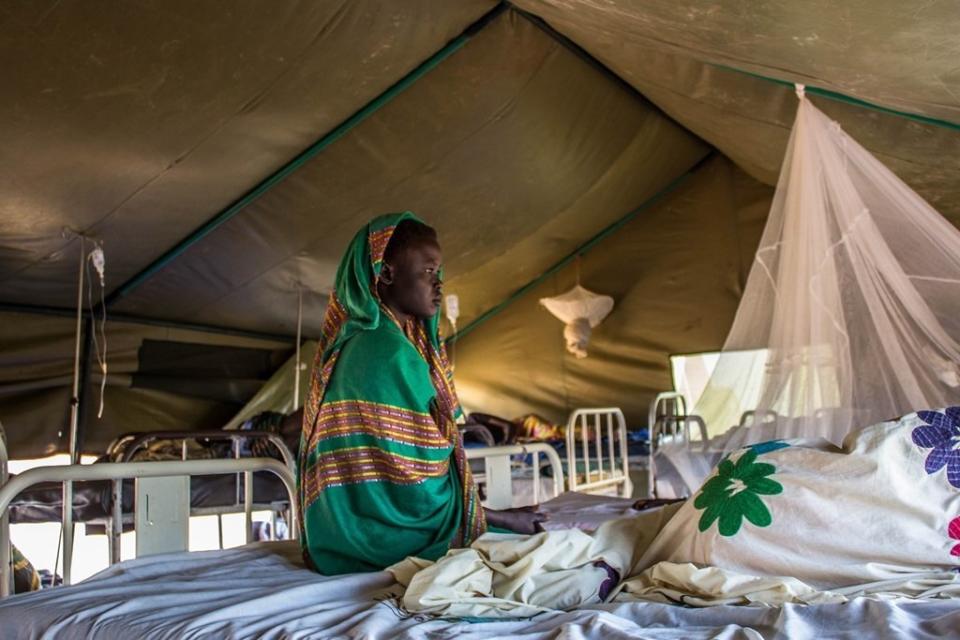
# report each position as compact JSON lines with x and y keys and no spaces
{"x":382,"y":470}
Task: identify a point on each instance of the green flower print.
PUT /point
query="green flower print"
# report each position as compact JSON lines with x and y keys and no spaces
{"x":731,"y":494}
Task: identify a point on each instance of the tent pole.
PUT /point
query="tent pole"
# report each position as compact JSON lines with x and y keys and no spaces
{"x":67,"y":504}
{"x":296,"y":370}
{"x":83,"y":389}
{"x":305,"y":156}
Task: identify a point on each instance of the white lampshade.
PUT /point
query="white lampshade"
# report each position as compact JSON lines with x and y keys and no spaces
{"x":580,"y":310}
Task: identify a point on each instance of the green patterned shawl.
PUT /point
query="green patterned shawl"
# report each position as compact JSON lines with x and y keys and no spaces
{"x":382,"y":471}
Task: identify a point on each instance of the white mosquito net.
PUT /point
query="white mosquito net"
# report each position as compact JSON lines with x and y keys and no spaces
{"x":851,"y":312}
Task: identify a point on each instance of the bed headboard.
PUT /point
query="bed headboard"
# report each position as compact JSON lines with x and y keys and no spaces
{"x":117,"y":471}
{"x":497,"y":472}
{"x":592,"y":425}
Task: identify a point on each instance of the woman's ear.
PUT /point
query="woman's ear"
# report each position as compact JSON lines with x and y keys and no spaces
{"x":386,"y":274}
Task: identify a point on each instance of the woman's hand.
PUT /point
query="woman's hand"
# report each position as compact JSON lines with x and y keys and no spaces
{"x":652,"y":503}
{"x":526,"y":520}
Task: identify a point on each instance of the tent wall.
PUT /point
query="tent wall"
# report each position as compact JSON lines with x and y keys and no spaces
{"x":136,"y":122}
{"x":676,"y":273}
{"x":158,"y":379}
{"x":513,"y":147}
{"x":891,"y":53}
{"x":898,"y":54}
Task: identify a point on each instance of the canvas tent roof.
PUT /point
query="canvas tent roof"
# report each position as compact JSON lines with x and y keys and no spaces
{"x":521,"y":131}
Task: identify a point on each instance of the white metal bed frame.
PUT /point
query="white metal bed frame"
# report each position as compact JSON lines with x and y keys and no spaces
{"x":117,"y":471}
{"x":671,"y":427}
{"x":497,"y":477}
{"x":126,"y":446}
{"x":615,"y":474}
{"x":497,"y":472}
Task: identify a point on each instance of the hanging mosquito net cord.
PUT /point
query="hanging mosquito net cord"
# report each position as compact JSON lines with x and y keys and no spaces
{"x":851,"y":311}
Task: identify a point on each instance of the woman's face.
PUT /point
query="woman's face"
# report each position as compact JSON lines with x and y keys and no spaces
{"x":415,"y":288}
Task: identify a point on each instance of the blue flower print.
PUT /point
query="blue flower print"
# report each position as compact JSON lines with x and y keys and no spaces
{"x":941,"y":434}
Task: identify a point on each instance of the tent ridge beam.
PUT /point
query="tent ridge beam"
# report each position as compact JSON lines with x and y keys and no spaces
{"x":304,"y":156}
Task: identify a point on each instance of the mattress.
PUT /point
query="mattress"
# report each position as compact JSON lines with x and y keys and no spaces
{"x":263,"y":590}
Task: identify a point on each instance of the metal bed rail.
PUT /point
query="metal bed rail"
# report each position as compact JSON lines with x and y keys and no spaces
{"x":118,"y":471}
{"x":497,"y":470}
{"x":675,"y":404}
{"x":669,"y":423}
{"x":764,"y":416}
{"x":676,"y":429}
{"x":126,"y":446}
{"x":671,"y":401}
{"x":613,"y":474}
{"x":6,"y":557}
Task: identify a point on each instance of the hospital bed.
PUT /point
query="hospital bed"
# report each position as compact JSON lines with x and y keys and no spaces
{"x":676,"y":462}
{"x":603,"y":453}
{"x":161,"y":504}
{"x":598,"y":453}
{"x":595,"y":460}
{"x":108,"y":505}
{"x":502,"y":474}
{"x":161,"y":500}
{"x":263,"y":590}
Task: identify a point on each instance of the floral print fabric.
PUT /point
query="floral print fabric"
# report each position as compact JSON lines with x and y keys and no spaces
{"x":734,"y":494}
{"x":941,"y":434}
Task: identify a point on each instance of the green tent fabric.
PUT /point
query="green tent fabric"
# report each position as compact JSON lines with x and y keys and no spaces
{"x":675,"y":272}
{"x":526,"y":129}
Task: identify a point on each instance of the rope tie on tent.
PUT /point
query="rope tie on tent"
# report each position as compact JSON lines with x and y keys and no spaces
{"x":836,"y":96}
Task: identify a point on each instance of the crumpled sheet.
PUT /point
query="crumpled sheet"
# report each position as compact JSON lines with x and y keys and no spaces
{"x":262,"y":591}
{"x":695,"y":586}
{"x":512,"y":576}
{"x":508,"y":575}
{"x":779,"y":522}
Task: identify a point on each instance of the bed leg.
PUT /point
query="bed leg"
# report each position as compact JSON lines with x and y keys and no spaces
{"x":248,"y":505}
{"x":6,"y":560}
{"x":67,"y":530}
{"x":116,"y":521}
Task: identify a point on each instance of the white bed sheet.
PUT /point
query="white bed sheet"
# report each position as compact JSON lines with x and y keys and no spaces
{"x":263,"y":591}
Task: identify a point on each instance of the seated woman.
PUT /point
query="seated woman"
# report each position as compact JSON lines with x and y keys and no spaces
{"x":382,"y":470}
